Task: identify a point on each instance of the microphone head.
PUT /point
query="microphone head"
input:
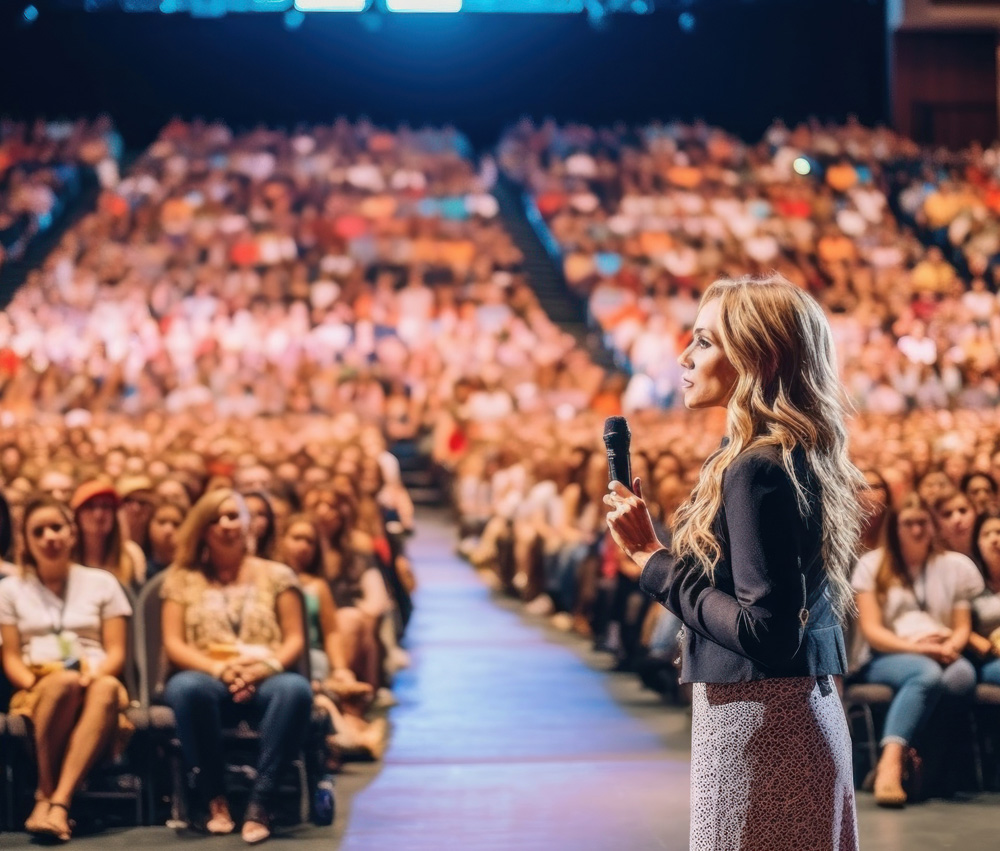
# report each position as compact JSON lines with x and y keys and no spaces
{"x":616,"y":427}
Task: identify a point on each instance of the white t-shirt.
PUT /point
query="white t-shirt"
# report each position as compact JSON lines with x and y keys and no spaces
{"x":92,"y":596}
{"x":950,"y":581}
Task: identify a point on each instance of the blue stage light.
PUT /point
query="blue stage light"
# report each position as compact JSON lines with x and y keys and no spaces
{"x":424,"y":5}
{"x":332,"y":5}
{"x":208,"y":8}
{"x":30,"y":14}
{"x":545,"y":7}
{"x":686,"y":21}
{"x":294,"y":19}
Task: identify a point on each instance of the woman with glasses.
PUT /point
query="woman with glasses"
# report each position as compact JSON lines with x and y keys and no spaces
{"x":914,"y":612}
{"x":103,"y":541}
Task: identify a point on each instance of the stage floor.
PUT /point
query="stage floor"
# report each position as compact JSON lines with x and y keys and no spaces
{"x":510,"y":735}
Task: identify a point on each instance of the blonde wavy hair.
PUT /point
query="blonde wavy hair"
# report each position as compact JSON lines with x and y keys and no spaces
{"x":787,"y":394}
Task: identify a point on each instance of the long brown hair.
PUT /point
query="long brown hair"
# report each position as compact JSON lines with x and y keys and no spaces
{"x":115,"y":556}
{"x":892,"y":569}
{"x":26,"y":561}
{"x":315,"y":565}
{"x":787,"y":394}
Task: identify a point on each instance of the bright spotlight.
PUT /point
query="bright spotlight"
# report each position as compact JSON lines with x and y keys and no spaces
{"x":332,"y":5}
{"x":30,"y":14}
{"x":686,"y":21}
{"x":424,"y":5}
{"x":294,"y":19}
{"x":802,"y":166}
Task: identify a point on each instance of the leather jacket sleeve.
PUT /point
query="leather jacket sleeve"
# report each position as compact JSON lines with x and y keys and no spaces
{"x":761,"y":621}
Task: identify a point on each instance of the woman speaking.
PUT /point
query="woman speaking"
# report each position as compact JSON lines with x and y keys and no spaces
{"x":757,"y":571}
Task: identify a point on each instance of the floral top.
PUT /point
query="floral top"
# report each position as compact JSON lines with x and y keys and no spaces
{"x":233,"y":618}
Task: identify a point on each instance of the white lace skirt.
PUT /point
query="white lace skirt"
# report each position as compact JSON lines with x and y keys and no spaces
{"x":771,"y":767}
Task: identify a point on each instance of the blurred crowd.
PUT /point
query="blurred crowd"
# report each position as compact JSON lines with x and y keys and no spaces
{"x":189,"y":505}
{"x":333,"y":268}
{"x":210,"y":379}
{"x":646,"y":218}
{"x":43,"y":167}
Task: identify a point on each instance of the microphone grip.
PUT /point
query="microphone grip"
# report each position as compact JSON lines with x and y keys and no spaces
{"x":619,"y":462}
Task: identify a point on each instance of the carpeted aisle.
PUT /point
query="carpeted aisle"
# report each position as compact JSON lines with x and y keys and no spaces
{"x":504,"y":739}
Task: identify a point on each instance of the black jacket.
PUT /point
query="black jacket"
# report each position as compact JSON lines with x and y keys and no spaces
{"x":747,"y":626}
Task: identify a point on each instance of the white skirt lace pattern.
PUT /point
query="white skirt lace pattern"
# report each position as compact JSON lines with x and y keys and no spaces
{"x":771,"y":767}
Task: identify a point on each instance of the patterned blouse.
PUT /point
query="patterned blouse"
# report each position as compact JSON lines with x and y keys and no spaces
{"x":228,"y":619}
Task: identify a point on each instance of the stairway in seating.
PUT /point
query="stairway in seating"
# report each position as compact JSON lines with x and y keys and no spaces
{"x":543,"y":270}
{"x":417,"y":472}
{"x":13,"y":273}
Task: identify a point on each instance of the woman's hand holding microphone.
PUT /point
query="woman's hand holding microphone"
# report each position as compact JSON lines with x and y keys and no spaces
{"x":630,"y":524}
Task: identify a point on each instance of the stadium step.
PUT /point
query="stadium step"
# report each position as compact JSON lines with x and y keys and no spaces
{"x":14,"y":273}
{"x":544,"y":273}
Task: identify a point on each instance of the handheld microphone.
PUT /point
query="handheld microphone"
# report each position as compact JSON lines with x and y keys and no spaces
{"x":617,"y":439}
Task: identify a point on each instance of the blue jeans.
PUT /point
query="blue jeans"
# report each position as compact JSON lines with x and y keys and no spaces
{"x":990,"y":672}
{"x":664,"y":641}
{"x":919,"y":683}
{"x":561,"y":575}
{"x":280,"y":710}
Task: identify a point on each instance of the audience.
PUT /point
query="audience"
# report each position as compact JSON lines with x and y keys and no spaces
{"x":102,"y":540}
{"x":333,"y":680}
{"x":42,"y":169}
{"x":248,"y":322}
{"x":914,"y":601}
{"x":63,"y":631}
{"x":232,"y":629}
{"x":985,"y":638}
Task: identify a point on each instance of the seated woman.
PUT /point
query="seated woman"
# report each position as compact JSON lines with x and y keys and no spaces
{"x":954,"y":517}
{"x":263,"y":524}
{"x":985,"y":639}
{"x":63,"y":631}
{"x":161,"y":536}
{"x":914,"y":612}
{"x":232,"y":625}
{"x":875,"y":500}
{"x":357,"y":584}
{"x":102,"y":541}
{"x":7,"y":567}
{"x":301,"y":549}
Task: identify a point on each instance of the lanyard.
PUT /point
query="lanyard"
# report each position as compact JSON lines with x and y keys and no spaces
{"x":921,"y":598}
{"x":56,"y":615}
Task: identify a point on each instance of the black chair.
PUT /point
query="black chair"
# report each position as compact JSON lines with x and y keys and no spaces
{"x":987,"y":712}
{"x":862,"y":702}
{"x":155,"y":670}
{"x":6,"y":759}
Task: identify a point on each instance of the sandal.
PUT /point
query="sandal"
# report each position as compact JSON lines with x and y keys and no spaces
{"x":36,"y":819}
{"x":220,"y":823}
{"x":57,"y":831}
{"x":256,"y":825}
